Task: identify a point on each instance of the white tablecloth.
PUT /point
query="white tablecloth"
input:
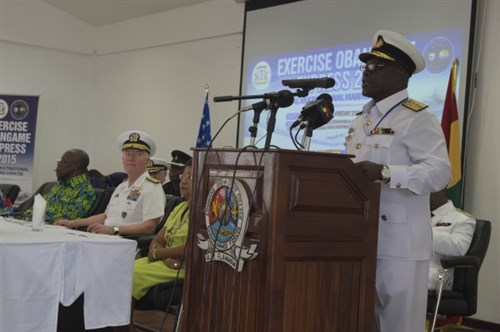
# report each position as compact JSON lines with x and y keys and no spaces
{"x":39,"y":270}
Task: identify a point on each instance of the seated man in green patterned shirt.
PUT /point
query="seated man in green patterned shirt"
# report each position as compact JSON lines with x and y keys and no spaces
{"x":73,"y":196}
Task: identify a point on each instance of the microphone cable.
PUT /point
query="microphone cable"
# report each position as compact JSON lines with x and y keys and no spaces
{"x":250,"y":205}
{"x":295,"y":140}
{"x":195,"y":197}
{"x":176,"y":281}
{"x":208,"y":269}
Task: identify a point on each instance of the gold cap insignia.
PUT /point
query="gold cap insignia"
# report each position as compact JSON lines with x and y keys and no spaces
{"x":134,"y":137}
{"x":379,"y":43}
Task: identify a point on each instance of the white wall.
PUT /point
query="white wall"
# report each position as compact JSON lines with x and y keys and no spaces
{"x":146,"y":73}
{"x":483,"y":150}
{"x":161,"y":90}
{"x":192,"y":23}
{"x":63,"y":81}
{"x":39,"y":24}
{"x":150,"y":74}
{"x":48,"y":53}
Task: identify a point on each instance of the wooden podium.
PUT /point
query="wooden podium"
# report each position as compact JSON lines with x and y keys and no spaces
{"x":314,"y":219}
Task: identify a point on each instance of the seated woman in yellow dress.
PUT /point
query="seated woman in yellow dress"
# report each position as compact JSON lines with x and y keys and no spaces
{"x":166,"y":252}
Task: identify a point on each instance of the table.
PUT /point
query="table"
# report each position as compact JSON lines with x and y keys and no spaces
{"x":39,"y":270}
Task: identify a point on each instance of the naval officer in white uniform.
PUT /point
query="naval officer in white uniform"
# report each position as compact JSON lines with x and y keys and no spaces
{"x":137,"y":204}
{"x":399,"y":142}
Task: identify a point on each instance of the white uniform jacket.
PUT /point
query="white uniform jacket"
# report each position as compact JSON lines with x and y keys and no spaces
{"x":143,"y":200}
{"x":411,"y":143}
{"x":452,"y":232}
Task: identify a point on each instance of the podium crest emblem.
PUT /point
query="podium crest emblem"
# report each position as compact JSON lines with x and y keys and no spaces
{"x":226,"y":218}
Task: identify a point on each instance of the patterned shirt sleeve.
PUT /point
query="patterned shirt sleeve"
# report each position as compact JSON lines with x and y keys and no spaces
{"x":71,"y":200}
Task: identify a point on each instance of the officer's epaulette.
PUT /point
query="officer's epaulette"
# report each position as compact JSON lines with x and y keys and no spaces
{"x":152,"y":179}
{"x":414,"y":105}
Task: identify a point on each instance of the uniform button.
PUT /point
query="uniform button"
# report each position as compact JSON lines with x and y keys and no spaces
{"x":376,"y":146}
{"x":368,"y":123}
{"x":384,"y":217}
{"x":398,"y":185}
{"x":358,"y":146}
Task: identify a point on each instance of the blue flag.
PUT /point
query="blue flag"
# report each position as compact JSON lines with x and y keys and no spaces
{"x":205,"y":132}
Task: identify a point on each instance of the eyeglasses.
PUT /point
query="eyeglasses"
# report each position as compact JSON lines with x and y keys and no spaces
{"x":186,"y":177}
{"x":372,"y":66}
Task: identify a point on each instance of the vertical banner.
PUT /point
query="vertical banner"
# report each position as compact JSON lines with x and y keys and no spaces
{"x":17,"y":141}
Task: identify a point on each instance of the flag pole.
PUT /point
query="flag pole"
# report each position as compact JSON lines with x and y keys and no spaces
{"x":454,"y":70}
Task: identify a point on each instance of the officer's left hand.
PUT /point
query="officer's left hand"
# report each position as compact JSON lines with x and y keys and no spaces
{"x":371,"y":170}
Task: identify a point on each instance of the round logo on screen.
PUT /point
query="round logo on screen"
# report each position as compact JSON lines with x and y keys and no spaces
{"x":438,"y":54}
{"x":4,"y":109}
{"x":261,"y":75}
{"x":19,"y":109}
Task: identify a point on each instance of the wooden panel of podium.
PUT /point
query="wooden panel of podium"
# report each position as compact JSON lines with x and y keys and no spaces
{"x":314,"y":219}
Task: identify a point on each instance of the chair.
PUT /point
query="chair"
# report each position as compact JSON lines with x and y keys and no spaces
{"x":165,"y":297}
{"x":102,"y":197}
{"x":143,"y":241}
{"x":11,"y":191}
{"x":462,"y":299}
{"x":114,"y":179}
{"x":42,"y":190}
{"x":171,"y":202}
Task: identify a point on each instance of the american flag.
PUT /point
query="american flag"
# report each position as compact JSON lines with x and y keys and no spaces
{"x":205,"y":133}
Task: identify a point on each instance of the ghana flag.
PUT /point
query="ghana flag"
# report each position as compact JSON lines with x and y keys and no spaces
{"x":451,"y":130}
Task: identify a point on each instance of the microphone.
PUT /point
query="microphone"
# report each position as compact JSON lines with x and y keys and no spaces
{"x":316,"y":113}
{"x":301,"y":119}
{"x":223,"y":98}
{"x":283,"y":98}
{"x":310,"y":83}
